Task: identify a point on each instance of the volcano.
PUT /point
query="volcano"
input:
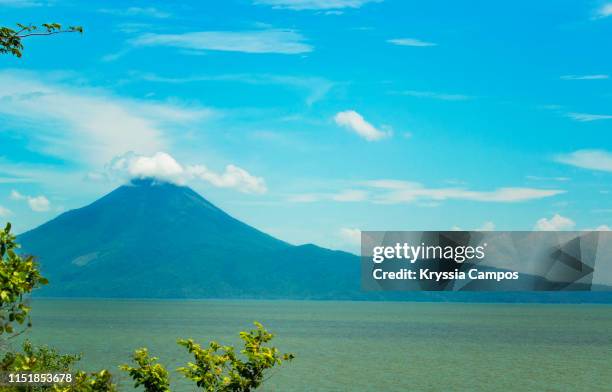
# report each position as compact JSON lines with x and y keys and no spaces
{"x":152,"y":239}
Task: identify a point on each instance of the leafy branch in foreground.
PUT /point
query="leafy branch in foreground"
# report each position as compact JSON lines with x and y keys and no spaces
{"x":10,"y":39}
{"x":37,"y":359}
{"x":219,"y":369}
{"x":19,"y":275}
{"x":151,"y":375}
{"x":101,"y":381}
{"x":47,"y":360}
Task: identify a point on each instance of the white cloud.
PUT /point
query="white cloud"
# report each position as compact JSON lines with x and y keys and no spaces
{"x":350,"y":195}
{"x":487,"y":226}
{"x":304,"y":198}
{"x":406,"y":192}
{"x":39,"y":203}
{"x":392,"y":184}
{"x":434,"y":95}
{"x":539,"y":178}
{"x":258,"y":41}
{"x":300,"y":5}
{"x":351,"y":235}
{"x":164,"y":167}
{"x":22,"y":3}
{"x":4,"y":212}
{"x":410,"y":42}
{"x":603,"y":228}
{"x":133,"y":27}
{"x":160,"y":165}
{"x":137,"y":11}
{"x":604,"y":11}
{"x":315,"y":87}
{"x":387,"y":191}
{"x":12,"y":180}
{"x":16,"y":195}
{"x":86,"y":124}
{"x":36,"y":203}
{"x":587,"y":117}
{"x":233,"y":177}
{"x":345,"y":196}
{"x":588,"y":159}
{"x":584,"y":77}
{"x":355,"y":122}
{"x":556,"y":223}
{"x":110,"y":57}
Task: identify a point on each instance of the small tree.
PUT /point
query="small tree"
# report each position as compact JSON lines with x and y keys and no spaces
{"x":11,"y":39}
{"x":151,"y":375}
{"x":89,"y":382}
{"x":36,"y":360}
{"x":19,"y":275}
{"x":219,"y":369}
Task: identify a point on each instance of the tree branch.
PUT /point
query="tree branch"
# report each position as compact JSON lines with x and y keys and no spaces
{"x":47,"y":33}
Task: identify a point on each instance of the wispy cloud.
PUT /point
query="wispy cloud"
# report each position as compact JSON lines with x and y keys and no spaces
{"x":389,"y":191}
{"x":355,"y":122}
{"x":411,"y":42}
{"x":604,"y":11}
{"x":110,"y":57}
{"x":315,"y":87}
{"x":132,"y":27}
{"x":151,"y":12}
{"x":588,"y":117}
{"x":539,"y":178}
{"x":584,"y":77}
{"x":163,"y":166}
{"x":576,"y":116}
{"x":556,"y":223}
{"x":23,"y":3}
{"x":344,"y":196}
{"x":487,"y":226}
{"x":434,"y":95}
{"x":351,"y":235}
{"x":14,"y":180}
{"x":256,"y":41}
{"x":88,"y":124}
{"x":4,"y":212}
{"x":300,"y":5}
{"x":600,"y":160}
{"x":406,"y":192}
{"x":305,"y":198}
{"x":350,"y":195}
{"x":37,"y":203}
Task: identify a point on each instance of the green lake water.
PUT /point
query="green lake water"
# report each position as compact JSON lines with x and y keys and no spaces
{"x":355,"y":346}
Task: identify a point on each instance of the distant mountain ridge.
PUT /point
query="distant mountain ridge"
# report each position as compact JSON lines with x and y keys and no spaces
{"x":159,"y":240}
{"x":153,"y":239}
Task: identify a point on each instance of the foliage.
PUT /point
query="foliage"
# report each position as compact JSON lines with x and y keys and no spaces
{"x":19,"y":275}
{"x":151,"y":375}
{"x":219,"y":369}
{"x":11,"y":40}
{"x":89,"y":382}
{"x":47,"y":360}
{"x":38,"y":360}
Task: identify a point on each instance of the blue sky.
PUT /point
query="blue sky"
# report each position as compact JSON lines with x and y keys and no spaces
{"x":314,"y":119}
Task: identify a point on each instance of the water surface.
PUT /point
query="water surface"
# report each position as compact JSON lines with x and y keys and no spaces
{"x":355,"y":346}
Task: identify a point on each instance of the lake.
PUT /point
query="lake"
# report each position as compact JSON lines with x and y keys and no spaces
{"x":354,"y":346}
